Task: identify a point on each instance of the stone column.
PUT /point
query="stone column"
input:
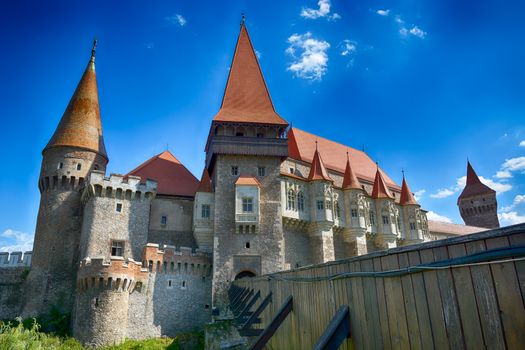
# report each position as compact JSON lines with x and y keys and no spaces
{"x":322,"y":242}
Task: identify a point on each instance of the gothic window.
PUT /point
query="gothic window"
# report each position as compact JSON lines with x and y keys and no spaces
{"x":291,"y":200}
{"x":261,"y":171}
{"x":235,"y":170}
{"x":337,"y":208}
{"x":412,"y":226}
{"x":300,"y":201}
{"x":117,"y":248}
{"x":372,"y":218}
{"x":205,"y":211}
{"x":320,"y":204}
{"x":163,"y":220}
{"x":247,"y":205}
{"x":385,"y":220}
{"x":118,"y":208}
{"x":328,"y":204}
{"x":353,"y":212}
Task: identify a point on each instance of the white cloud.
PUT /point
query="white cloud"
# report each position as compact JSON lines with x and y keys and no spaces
{"x":415,"y":31}
{"x":442,"y":193}
{"x":522,"y":143}
{"x":312,"y":61}
{"x":496,"y":186}
{"x":11,"y":240}
{"x":511,"y":218}
{"x":383,"y":12}
{"x":519,"y":199}
{"x":323,"y":11}
{"x":436,"y":217}
{"x":514,"y":164}
{"x":177,"y":19}
{"x":149,"y":45}
{"x":419,"y":194}
{"x":503,"y":174}
{"x":258,"y":54}
{"x":399,"y":20}
{"x":348,"y":47}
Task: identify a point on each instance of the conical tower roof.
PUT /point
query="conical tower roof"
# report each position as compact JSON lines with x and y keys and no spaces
{"x":318,"y":170}
{"x":380,"y":190}
{"x":205,"y":184}
{"x":350,"y":180}
{"x":474,"y":185}
{"x":407,"y":198}
{"x":246,"y":97}
{"x":80,"y":125}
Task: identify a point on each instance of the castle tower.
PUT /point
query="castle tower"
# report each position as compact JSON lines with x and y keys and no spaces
{"x":246,"y":137}
{"x":411,"y":216}
{"x":385,"y":212}
{"x":321,"y":212}
{"x":75,"y":149}
{"x":477,"y":203}
{"x":203,"y":211}
{"x":354,"y":233}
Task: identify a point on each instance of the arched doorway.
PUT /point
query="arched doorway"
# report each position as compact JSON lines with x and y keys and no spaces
{"x":244,"y":274}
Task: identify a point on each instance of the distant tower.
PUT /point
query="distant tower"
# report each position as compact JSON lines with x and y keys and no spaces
{"x":477,"y":203}
{"x":76,"y":148}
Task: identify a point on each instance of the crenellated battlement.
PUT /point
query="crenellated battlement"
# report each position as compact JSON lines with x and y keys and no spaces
{"x":116,"y":274}
{"x":118,"y":186}
{"x":63,"y":183}
{"x":15,"y":259}
{"x":176,"y":261}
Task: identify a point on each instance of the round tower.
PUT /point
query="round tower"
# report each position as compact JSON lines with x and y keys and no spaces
{"x":75,"y":149}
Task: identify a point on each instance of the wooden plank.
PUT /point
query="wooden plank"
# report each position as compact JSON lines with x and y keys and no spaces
{"x":361,"y":338}
{"x":420,"y":297}
{"x":410,"y":305}
{"x":486,"y":300}
{"x":381,"y":303}
{"x":510,"y":301}
{"x":449,"y":301}
{"x":370,"y":295}
{"x":435,"y":307}
{"x":468,"y":309}
{"x":518,"y":240}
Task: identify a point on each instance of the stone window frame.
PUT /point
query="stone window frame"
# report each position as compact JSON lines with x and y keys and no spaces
{"x":413,"y":226}
{"x":235,"y":170}
{"x":115,"y":244}
{"x":163,"y":220}
{"x":60,"y":165}
{"x":183,"y":285}
{"x":372,"y":217}
{"x":261,"y":171}
{"x":247,"y":204}
{"x":290,"y":199}
{"x":79,"y":166}
{"x":205,"y":211}
{"x":118,"y":207}
{"x":337,"y":209}
{"x":386,"y":219}
{"x":169,"y":285}
{"x":320,"y":204}
{"x":354,"y":213}
{"x":300,"y":201}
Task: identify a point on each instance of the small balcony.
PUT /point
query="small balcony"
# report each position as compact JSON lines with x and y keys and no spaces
{"x":247,"y":218}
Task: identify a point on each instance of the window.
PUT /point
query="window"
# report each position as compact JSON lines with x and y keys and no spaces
{"x":169,"y":284}
{"x":261,"y":170}
{"x":353,"y":212}
{"x":412,"y":226}
{"x":60,"y":165}
{"x":183,"y":286}
{"x":291,"y":200}
{"x":239,"y":134}
{"x":385,"y":220}
{"x":117,"y":248}
{"x":320,"y":204}
{"x":118,"y":208}
{"x":247,"y":205}
{"x":95,"y":167}
{"x":300,"y":201}
{"x":328,"y":204}
{"x":163,"y":220}
{"x":260,"y":135}
{"x":399,"y":222}
{"x":235,"y":170}
{"x":337,"y":208}
{"x":247,"y":245}
{"x":205,"y":211}
{"x":291,"y":170}
{"x":79,"y":166}
{"x":372,"y":218}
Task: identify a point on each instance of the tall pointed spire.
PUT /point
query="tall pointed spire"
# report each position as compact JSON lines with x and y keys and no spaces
{"x":407,"y":198}
{"x":380,"y":190}
{"x":318,"y":170}
{"x":246,"y":97}
{"x":80,"y":125}
{"x":205,"y":184}
{"x":474,"y":186}
{"x":350,"y":180}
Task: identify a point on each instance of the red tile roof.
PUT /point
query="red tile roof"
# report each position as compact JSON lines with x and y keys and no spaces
{"x":474,"y":185}
{"x":380,"y":190}
{"x":205,"y":183}
{"x":350,"y":181}
{"x":407,"y":198}
{"x":317,"y":169}
{"x":246,"y":180}
{"x":246,"y":97}
{"x":80,"y":125}
{"x":172,"y":177}
{"x":301,"y":146}
{"x":450,"y":228}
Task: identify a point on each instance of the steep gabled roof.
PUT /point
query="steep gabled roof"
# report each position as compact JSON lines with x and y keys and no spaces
{"x":301,"y":146}
{"x":380,"y":190}
{"x":350,"y":181}
{"x":246,"y":97}
{"x":80,"y":125}
{"x":247,"y":180}
{"x":173,"y":179}
{"x":205,"y":183}
{"x":317,"y":169}
{"x":407,"y":198}
{"x":474,"y":185}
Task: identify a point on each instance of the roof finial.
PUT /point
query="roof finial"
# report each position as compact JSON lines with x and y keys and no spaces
{"x":347,"y":155}
{"x":243,"y":19}
{"x":316,"y":144}
{"x":94,"y":49}
{"x":377,"y":165}
{"x":403,"y":172}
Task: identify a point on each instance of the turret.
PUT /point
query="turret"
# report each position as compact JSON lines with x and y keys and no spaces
{"x":477,"y":202}
{"x":386,"y":213}
{"x":75,"y":149}
{"x":411,"y":216}
{"x":203,"y":213}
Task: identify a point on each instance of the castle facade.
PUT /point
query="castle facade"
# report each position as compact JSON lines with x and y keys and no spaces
{"x":149,"y":253}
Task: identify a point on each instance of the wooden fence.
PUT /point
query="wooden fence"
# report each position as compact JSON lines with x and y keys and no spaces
{"x":475,"y":305}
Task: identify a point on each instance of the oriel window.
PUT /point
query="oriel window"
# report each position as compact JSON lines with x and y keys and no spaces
{"x":247,"y":205}
{"x":205,"y":211}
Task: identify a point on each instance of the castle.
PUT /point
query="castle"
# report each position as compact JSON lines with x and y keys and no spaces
{"x":150,"y":252}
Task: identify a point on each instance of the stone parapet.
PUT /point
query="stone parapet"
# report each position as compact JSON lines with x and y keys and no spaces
{"x":15,"y":259}
{"x":118,"y":186}
{"x":184,"y":260}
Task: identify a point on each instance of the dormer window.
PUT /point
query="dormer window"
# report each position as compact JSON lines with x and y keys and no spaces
{"x":79,"y":166}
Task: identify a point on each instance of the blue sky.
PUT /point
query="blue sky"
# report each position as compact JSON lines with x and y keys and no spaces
{"x":421,"y":85}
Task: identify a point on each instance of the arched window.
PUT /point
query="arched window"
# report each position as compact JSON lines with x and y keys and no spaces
{"x":300,"y":201}
{"x":291,"y":200}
